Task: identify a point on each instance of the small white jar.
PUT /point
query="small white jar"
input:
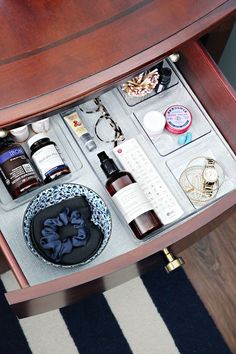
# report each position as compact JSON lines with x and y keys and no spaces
{"x":20,"y":134}
{"x":154,"y":122}
{"x":3,"y":133}
{"x":41,"y":126}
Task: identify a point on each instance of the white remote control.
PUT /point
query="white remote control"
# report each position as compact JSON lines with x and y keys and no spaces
{"x":133,"y":159}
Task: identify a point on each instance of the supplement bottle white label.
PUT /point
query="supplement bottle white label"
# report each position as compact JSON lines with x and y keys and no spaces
{"x":47,"y":159}
{"x":132,"y":202}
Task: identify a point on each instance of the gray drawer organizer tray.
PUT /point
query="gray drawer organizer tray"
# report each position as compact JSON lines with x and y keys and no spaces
{"x":170,"y":160}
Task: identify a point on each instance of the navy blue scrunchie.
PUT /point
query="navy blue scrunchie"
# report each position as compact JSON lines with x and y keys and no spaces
{"x":50,"y":239}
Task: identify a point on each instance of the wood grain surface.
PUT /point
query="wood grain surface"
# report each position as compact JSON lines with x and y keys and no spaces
{"x":9,"y":260}
{"x":211,"y":267}
{"x":56,"y":52}
{"x":211,"y":87}
{"x":3,"y":263}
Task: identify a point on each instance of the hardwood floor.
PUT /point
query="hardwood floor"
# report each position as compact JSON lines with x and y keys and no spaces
{"x":211,"y":267}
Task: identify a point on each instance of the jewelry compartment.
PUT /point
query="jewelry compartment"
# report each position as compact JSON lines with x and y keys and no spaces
{"x":210,"y":146}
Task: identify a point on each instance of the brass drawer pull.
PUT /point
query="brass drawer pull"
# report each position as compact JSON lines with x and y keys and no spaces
{"x":173,"y":261}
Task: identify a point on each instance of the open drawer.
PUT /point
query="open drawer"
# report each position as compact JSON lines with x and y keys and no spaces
{"x":125,"y":257}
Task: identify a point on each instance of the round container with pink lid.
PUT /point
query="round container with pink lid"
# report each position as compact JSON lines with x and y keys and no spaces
{"x":178,"y":119}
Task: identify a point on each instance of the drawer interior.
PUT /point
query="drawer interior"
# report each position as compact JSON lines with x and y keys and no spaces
{"x":170,"y":159}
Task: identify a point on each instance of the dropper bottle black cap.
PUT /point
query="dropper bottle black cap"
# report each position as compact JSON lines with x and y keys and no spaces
{"x":165,"y":76}
{"x":107,"y":164}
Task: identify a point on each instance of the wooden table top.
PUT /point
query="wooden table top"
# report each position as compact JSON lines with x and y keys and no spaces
{"x":54,"y":53}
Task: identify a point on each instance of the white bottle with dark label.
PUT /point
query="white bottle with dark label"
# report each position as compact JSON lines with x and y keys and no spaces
{"x":46,"y":157}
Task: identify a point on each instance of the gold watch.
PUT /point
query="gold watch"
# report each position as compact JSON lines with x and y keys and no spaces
{"x":210,"y":177}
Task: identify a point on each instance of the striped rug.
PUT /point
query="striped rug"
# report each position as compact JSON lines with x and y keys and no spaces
{"x":154,"y":314}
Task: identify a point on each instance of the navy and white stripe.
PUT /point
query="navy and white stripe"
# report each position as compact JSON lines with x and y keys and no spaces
{"x":154,"y":314}
{"x":12,"y":338}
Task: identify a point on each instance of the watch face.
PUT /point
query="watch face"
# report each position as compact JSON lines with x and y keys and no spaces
{"x":210,"y":174}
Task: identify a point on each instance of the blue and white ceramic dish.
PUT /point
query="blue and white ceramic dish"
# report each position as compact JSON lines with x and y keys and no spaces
{"x":56,"y":194}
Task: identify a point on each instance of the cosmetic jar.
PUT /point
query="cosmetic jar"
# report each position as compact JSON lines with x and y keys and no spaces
{"x":20,"y":134}
{"x":41,"y":125}
{"x":154,"y":123}
{"x":178,"y":119}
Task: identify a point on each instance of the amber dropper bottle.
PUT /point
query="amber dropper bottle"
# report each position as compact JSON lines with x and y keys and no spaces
{"x":129,"y":198}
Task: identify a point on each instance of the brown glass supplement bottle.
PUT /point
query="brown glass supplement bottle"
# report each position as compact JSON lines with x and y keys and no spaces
{"x":129,"y":198}
{"x":15,"y":169}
